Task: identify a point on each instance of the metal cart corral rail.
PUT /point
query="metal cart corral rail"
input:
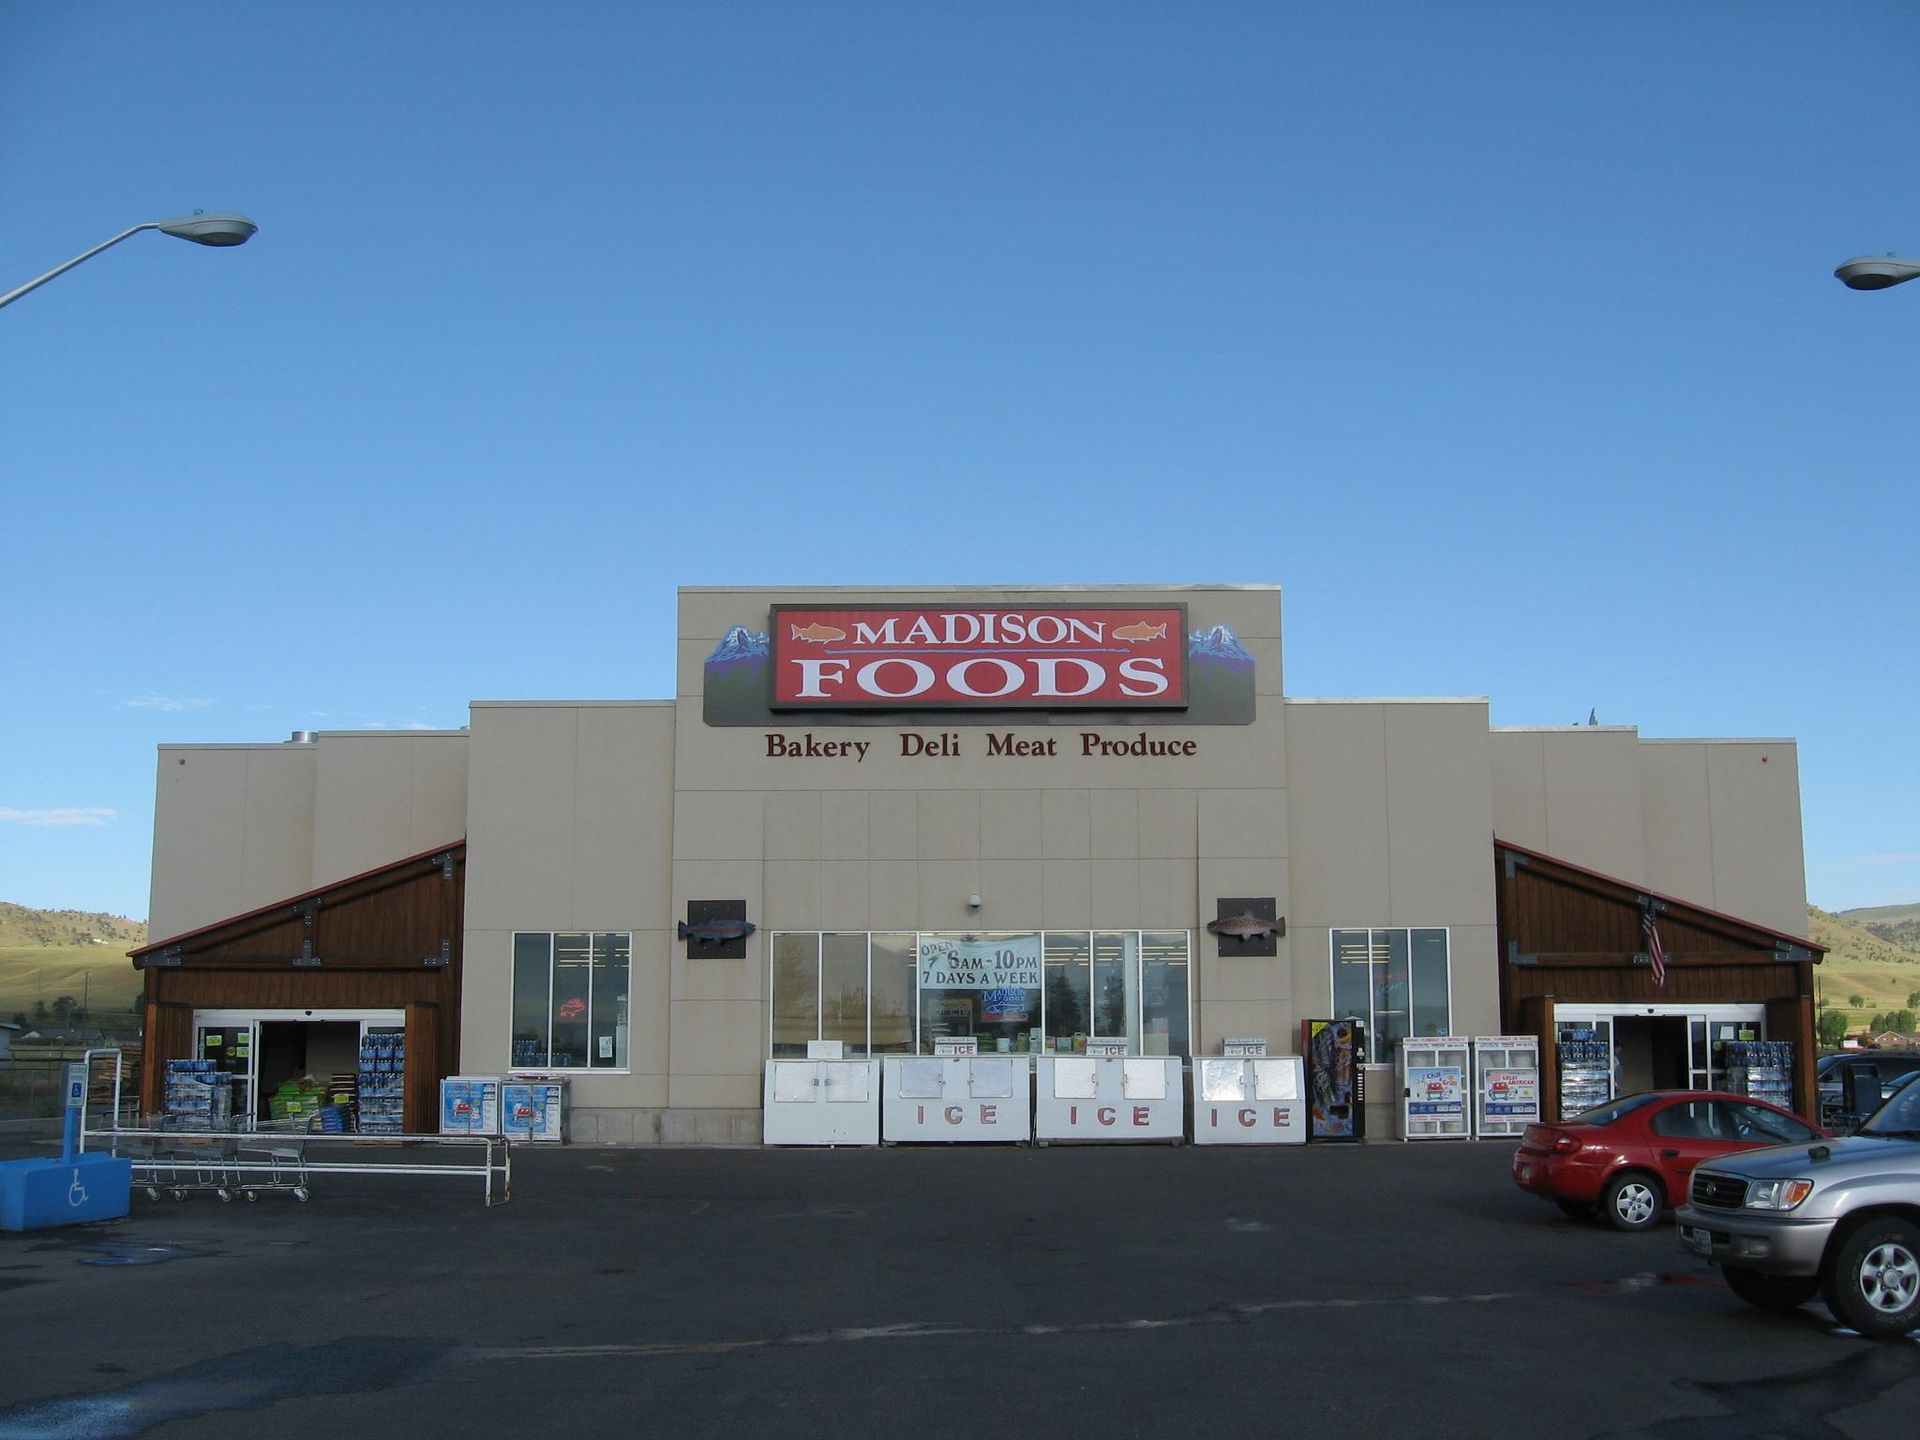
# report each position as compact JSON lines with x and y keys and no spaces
{"x":269,"y":1156}
{"x":245,"y":1162}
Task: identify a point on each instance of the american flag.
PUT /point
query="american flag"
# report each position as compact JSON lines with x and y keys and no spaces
{"x":1654,"y":952}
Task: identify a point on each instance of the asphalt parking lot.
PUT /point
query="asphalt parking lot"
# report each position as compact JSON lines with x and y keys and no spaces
{"x":1379,"y":1290}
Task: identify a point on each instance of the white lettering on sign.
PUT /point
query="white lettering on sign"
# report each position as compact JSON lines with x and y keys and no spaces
{"x":1053,"y":658}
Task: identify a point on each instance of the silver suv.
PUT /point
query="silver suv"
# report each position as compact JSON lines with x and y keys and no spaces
{"x":1838,"y":1218}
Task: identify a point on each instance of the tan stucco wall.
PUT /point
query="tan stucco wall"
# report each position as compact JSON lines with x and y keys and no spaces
{"x":236,"y":827}
{"x":1393,"y":825}
{"x":381,"y":795}
{"x":569,"y":827}
{"x":1723,"y":827}
{"x":1714,"y":822}
{"x":232,"y":831}
{"x":1573,"y":793}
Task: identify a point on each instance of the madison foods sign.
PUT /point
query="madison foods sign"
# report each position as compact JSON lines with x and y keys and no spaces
{"x":922,"y":658}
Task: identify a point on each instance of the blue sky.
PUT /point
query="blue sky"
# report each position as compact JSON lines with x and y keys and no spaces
{"x":1502,"y":336}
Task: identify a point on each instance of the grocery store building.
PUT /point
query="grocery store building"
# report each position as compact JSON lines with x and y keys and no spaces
{"x":848,"y":779}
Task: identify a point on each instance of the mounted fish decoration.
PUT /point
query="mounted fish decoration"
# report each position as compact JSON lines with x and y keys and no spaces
{"x":716,"y":932}
{"x":1247,"y":926}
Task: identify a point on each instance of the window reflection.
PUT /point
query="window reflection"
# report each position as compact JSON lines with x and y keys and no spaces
{"x":1069,"y":992}
{"x":843,"y":991}
{"x":796,"y":993}
{"x":1015,"y":992}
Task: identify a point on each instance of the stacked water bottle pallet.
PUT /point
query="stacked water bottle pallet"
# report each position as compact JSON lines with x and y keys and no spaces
{"x":382,"y":1083}
{"x":197,"y":1096}
{"x":1586,"y":1071}
{"x":1761,"y":1069}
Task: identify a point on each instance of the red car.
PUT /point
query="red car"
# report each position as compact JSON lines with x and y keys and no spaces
{"x":1632,"y":1157}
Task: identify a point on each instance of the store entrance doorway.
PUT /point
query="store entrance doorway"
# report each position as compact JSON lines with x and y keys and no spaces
{"x":1651,"y":1052}
{"x":264,"y":1050}
{"x":298,"y":1049}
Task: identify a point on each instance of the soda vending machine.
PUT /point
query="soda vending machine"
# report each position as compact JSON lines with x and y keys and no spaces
{"x":1433,"y":1088}
{"x":1506,"y":1084}
{"x":1334,"y":1051}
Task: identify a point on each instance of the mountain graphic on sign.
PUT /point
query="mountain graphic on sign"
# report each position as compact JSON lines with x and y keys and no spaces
{"x":738,"y":646}
{"x":1221,"y":646}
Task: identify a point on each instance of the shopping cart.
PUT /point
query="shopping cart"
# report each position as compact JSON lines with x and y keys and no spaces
{"x":272,"y":1155}
{"x":172,"y":1158}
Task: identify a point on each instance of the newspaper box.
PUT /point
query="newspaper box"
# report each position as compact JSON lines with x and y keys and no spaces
{"x":1506,"y":1070}
{"x":1433,"y":1088}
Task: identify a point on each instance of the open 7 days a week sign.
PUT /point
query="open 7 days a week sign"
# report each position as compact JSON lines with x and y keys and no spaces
{"x":1005,"y":962}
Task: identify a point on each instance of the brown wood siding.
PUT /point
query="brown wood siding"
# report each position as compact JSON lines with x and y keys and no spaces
{"x":378,"y":941}
{"x":1569,"y":936}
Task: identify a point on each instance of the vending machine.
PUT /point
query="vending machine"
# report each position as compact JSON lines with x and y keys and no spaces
{"x":1433,"y":1088}
{"x":1506,"y":1084}
{"x":1334,"y":1052}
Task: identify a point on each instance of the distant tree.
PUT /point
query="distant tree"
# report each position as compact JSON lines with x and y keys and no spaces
{"x":1913,"y":999}
{"x":1857,"y":1002}
{"x":1877,"y":1024}
{"x":63,"y":1009}
{"x":1832,"y":1027}
{"x":1900,"y":1020}
{"x":39,"y":1009}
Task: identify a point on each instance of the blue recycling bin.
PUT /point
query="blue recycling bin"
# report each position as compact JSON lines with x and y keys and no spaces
{"x":39,"y":1194}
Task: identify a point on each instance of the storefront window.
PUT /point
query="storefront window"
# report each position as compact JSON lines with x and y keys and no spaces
{"x":987,"y":986}
{"x":1015,"y":992}
{"x":1395,"y":981}
{"x":843,"y":991}
{"x":570,"y":1000}
{"x":895,"y":969}
{"x":1116,"y":987}
{"x":1069,"y":992}
{"x":1163,"y":992}
{"x":796,"y":993}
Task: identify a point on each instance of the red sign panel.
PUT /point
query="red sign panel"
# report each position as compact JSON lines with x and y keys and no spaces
{"x":1025,"y":657}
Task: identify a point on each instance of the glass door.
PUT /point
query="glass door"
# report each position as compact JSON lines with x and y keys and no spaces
{"x":1699,"y":1054}
{"x":230,"y":1044}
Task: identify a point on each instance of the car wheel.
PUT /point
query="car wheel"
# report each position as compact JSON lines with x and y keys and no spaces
{"x":1631,"y":1201}
{"x":1771,"y":1292}
{"x":1578,"y":1209}
{"x":1871,"y":1280}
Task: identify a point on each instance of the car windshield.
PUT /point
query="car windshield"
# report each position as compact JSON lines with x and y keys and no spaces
{"x":1899,"y":1118}
{"x":1611,"y":1111}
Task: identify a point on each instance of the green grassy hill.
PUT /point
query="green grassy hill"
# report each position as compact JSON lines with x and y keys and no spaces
{"x":45,"y":954}
{"x":1896,"y":924}
{"x":1877,"y":962}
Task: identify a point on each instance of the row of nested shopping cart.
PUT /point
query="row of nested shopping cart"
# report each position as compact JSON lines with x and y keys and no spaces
{"x":197,"y":1143}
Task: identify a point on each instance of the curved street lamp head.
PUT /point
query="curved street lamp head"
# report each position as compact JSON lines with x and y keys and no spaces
{"x":1876,"y":272}
{"x":220,"y":229}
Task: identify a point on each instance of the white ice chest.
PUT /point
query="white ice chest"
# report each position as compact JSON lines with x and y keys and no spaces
{"x":957,"y":1098}
{"x":822,"y":1100}
{"x":1109,"y":1098}
{"x":1249,"y":1100}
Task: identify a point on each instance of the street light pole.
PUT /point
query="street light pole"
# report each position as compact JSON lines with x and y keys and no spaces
{"x":220,"y":230}
{"x":1876,"y":272}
